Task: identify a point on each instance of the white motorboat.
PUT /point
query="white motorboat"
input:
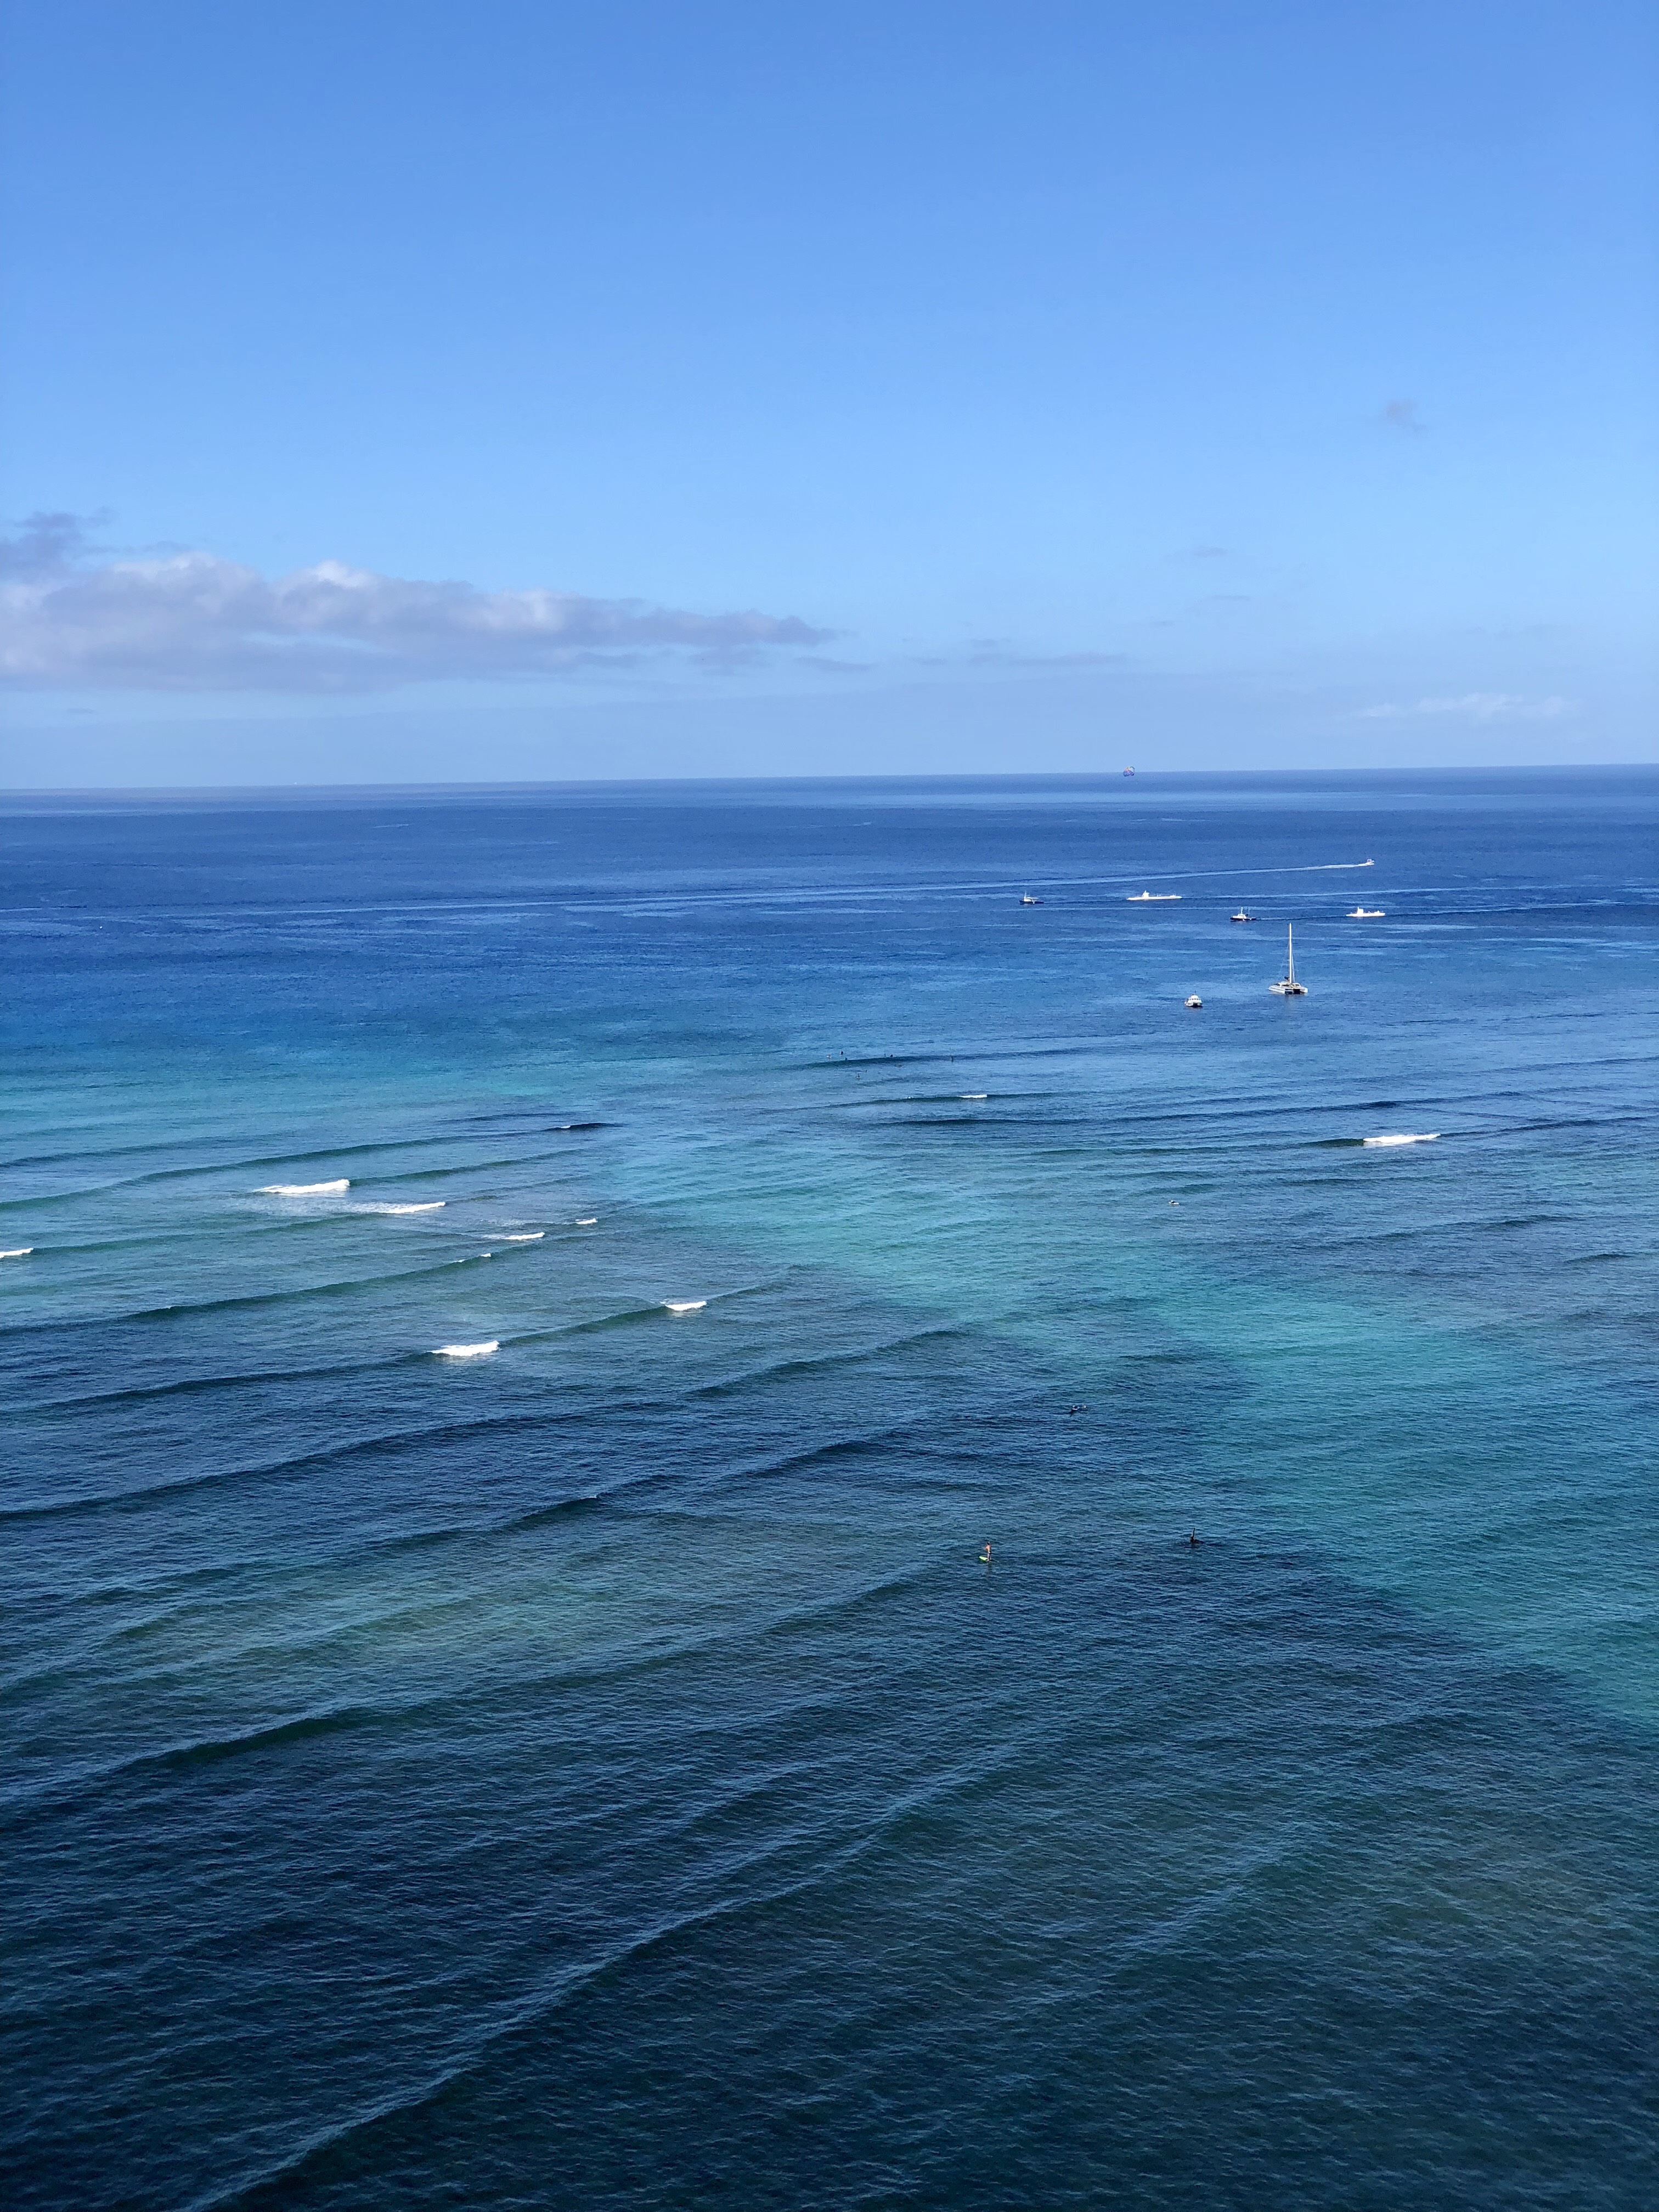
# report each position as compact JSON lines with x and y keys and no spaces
{"x":1025,"y":899}
{"x":1152,"y":898}
{"x":1194,"y":1000}
{"x":1287,"y":986}
{"x":1241,"y":916}
{"x":1366,"y":913}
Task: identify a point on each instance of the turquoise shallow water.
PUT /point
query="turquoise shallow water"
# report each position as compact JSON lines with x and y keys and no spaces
{"x":599,"y":1772}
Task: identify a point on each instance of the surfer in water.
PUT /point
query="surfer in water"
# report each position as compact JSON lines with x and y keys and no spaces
{"x":1193,"y":1541}
{"x":984,"y":1555}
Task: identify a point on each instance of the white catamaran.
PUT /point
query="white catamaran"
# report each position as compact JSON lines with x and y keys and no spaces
{"x":1287,"y":986}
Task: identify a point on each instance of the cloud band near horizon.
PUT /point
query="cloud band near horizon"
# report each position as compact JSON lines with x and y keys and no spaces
{"x":194,"y":622}
{"x":1475,"y":706}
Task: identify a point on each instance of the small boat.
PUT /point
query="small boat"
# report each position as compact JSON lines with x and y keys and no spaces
{"x":1366,"y":913}
{"x":1241,"y":916}
{"x":1287,"y":986}
{"x":1194,"y":1000}
{"x":1128,"y":771}
{"x":1025,"y":899}
{"x":1152,"y":898}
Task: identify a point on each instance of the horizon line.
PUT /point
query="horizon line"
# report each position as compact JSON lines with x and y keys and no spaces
{"x":1108,"y":777}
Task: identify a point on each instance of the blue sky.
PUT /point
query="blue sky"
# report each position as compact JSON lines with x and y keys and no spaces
{"x":533,"y":390}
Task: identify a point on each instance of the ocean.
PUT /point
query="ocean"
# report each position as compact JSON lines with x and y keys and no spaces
{"x":592,"y":1765}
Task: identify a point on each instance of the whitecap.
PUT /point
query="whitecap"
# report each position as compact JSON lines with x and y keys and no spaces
{"x":524,"y":1236}
{"x":972,"y":1094}
{"x":21,"y":1252}
{"x":588,"y":1221}
{"x":1421,"y":1137}
{"x":427,"y":1206}
{"x":302,"y":1189}
{"x":686,"y":1305}
{"x":465,"y":1350}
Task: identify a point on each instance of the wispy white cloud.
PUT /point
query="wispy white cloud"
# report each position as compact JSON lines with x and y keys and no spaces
{"x":192,"y":622}
{"x":1476,"y":706}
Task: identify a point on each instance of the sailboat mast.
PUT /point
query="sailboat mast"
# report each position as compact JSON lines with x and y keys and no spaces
{"x":1290,"y":953}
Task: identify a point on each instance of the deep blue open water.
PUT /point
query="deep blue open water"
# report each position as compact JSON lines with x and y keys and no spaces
{"x":599,"y":1773}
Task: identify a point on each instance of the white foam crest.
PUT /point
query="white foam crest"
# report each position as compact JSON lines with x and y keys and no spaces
{"x":466,"y":1351}
{"x":686,"y":1305}
{"x":303,"y":1190}
{"x":1406,"y":1137}
{"x":18,"y":1252}
{"x":427,"y":1205}
{"x":524,"y":1236}
{"x":972,"y":1094}
{"x":588,"y":1221}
